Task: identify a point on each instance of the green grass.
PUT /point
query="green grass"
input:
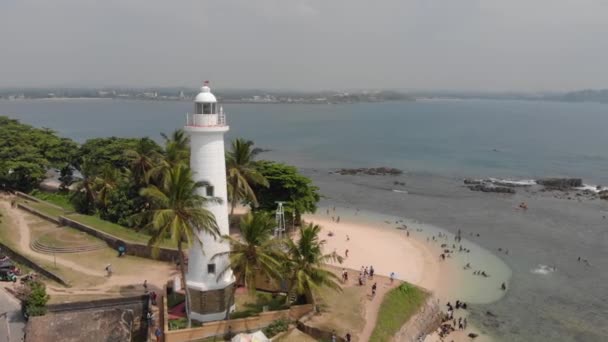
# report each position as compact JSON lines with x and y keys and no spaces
{"x":115,"y":229}
{"x":6,"y":236}
{"x":398,"y":306}
{"x":56,"y":198}
{"x":44,"y":208}
{"x":125,"y":233}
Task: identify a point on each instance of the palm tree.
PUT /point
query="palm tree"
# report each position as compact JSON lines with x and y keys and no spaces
{"x":105,"y":182}
{"x":177,"y":151}
{"x":177,"y":147}
{"x":179,"y":212}
{"x":84,"y":196}
{"x":306,"y":259}
{"x":241,"y":173}
{"x":143,"y":158}
{"x":255,"y":254}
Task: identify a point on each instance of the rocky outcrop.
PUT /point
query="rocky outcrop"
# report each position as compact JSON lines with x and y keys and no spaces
{"x":423,"y":323}
{"x":604,"y":195}
{"x":374,"y":171}
{"x":561,"y":183}
{"x":488,"y":187}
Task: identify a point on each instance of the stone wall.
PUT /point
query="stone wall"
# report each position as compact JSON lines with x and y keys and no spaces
{"x":135,"y":249}
{"x":223,"y":328}
{"x":208,"y":302}
{"x":424,"y":322}
{"x":31,"y":264}
{"x":117,"y":320}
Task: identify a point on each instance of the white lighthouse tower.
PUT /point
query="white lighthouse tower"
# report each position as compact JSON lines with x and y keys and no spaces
{"x":210,"y":296}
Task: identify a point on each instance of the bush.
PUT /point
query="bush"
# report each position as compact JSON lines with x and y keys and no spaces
{"x":276,"y":327}
{"x":36,"y":299}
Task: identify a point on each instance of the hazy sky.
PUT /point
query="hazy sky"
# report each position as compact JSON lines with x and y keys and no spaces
{"x":306,"y":44}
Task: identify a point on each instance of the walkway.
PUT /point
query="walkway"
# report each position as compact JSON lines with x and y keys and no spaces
{"x":11,"y":320}
{"x":155,"y":275}
{"x":372,"y":306}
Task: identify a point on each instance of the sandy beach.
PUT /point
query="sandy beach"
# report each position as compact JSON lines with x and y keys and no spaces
{"x":409,"y":256}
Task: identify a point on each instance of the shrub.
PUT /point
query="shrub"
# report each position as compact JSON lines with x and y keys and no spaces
{"x":276,"y":327}
{"x":36,"y":299}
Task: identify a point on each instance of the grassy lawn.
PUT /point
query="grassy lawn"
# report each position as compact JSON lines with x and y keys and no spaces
{"x":60,"y":199}
{"x":8,"y":236}
{"x":116,"y":230}
{"x":398,"y":306}
{"x":250,"y":305}
{"x":341,"y":311}
{"x":44,"y":208}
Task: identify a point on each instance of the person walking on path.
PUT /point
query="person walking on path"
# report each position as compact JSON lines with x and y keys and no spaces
{"x":374,"y":287}
{"x":392,"y":277}
{"x":145,"y":286}
{"x":109,"y":270}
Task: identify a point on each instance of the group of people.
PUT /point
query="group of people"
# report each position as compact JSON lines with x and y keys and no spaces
{"x":449,"y":323}
{"x":365,"y":273}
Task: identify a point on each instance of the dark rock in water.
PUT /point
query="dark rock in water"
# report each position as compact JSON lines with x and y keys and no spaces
{"x":561,"y":183}
{"x":603,"y":194}
{"x":374,"y":171}
{"x":491,"y":188}
{"x":470,"y":181}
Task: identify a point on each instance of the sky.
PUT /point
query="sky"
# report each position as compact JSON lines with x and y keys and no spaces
{"x":462,"y":45}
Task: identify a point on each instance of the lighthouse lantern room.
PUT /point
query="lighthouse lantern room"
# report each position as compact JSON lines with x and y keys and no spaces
{"x":210,"y":294}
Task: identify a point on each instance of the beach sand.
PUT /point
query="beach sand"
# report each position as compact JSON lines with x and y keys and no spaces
{"x":411,"y":258}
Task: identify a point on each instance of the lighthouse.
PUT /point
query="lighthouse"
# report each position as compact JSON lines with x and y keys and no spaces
{"x":210,"y":294}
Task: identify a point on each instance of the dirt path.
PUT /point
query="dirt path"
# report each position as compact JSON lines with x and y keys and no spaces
{"x":154,"y":275}
{"x":372,"y":306}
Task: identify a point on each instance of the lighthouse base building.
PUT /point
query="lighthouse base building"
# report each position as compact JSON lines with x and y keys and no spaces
{"x":210,"y":294}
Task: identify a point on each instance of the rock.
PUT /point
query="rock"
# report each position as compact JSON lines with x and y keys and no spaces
{"x":491,"y":188}
{"x":603,"y":194}
{"x":374,"y":171}
{"x":472,"y":181}
{"x":561,"y":183}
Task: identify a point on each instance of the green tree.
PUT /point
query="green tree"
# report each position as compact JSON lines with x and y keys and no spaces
{"x":305,"y":269}
{"x":142,"y":159}
{"x":288,"y":185}
{"x":101,"y":152}
{"x":27,"y":152}
{"x":105,"y":183}
{"x":176,"y":152}
{"x":84,"y":197}
{"x":255,"y":253}
{"x":242,"y":173}
{"x":35,"y":301}
{"x":179,"y":212}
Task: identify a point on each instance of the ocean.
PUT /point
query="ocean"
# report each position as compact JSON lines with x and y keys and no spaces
{"x":551,"y":296}
{"x":473,"y":138}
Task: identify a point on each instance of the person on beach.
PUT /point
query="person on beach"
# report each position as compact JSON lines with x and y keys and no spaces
{"x":145,"y":285}
{"x":346,"y":253}
{"x":407,"y":233}
{"x":347,"y":237}
{"x":338,"y":219}
{"x":348,"y":338}
{"x":109,"y":270}
{"x":374,"y":290}
{"x":371,"y":272}
{"x":392,"y":276}
{"x":503,"y":287}
{"x":365,"y":272}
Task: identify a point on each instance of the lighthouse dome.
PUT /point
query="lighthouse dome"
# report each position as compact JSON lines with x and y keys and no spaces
{"x":205,"y":96}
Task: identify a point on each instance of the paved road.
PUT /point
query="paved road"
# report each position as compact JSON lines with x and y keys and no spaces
{"x":10,"y":318}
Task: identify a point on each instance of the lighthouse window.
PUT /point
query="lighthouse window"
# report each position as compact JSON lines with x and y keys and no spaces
{"x":209,"y":191}
{"x":211,"y":268}
{"x":207,"y":108}
{"x":199,"y":108}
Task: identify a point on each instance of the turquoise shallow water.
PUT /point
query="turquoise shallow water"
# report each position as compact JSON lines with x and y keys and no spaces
{"x":463,"y":138}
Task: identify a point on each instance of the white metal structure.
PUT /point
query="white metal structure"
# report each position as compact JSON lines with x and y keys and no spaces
{"x":279,"y":230}
{"x":206,"y":127}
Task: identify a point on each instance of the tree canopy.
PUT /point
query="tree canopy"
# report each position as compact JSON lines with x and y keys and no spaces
{"x":286,"y":184}
{"x":27,"y":152}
